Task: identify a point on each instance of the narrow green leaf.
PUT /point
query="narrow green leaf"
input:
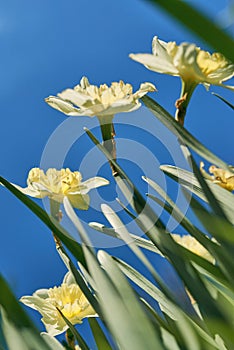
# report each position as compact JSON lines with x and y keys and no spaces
{"x":127,"y":333}
{"x":189,"y":181}
{"x":50,"y":222}
{"x":224,"y":100}
{"x":99,"y":336}
{"x":197,"y":22}
{"x":82,"y":343}
{"x":18,"y":330}
{"x":132,"y":305}
{"x":141,"y":242}
{"x":214,"y":204}
{"x":118,"y":225}
{"x":53,"y":343}
{"x":224,"y":253}
{"x":131,"y":193}
{"x":168,"y":306}
{"x":181,"y":132}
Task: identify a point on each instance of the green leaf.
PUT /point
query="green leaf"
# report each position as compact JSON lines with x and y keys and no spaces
{"x":113,"y":290}
{"x":50,"y":222}
{"x":181,"y":132}
{"x":76,"y":334}
{"x":118,"y":225}
{"x":167,"y":305}
{"x":52,"y":341}
{"x":189,"y":181}
{"x":197,"y":22}
{"x":214,"y":204}
{"x":130,"y":192}
{"x":99,"y":336}
{"x":141,"y":242}
{"x":18,"y":330}
{"x":224,"y":100}
{"x":222,"y":253}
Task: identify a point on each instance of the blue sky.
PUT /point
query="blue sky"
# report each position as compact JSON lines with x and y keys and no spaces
{"x":47,"y":46}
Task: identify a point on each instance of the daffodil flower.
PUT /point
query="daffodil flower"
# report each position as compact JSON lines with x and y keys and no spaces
{"x":67,"y":298}
{"x":57,"y":184}
{"x":221,"y":177}
{"x":90,"y":100}
{"x":103,"y":102}
{"x":193,"y":245}
{"x":193,"y":65}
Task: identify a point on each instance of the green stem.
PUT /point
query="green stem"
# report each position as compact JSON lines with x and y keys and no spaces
{"x":57,"y":215}
{"x":108,"y":134}
{"x":181,"y":104}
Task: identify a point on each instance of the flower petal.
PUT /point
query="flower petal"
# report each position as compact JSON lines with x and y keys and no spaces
{"x":30,"y":191}
{"x":38,"y":304}
{"x":75,"y":97}
{"x":155,"y":63}
{"x":121,"y":106}
{"x":61,"y":105}
{"x":54,"y":328}
{"x":69,"y":278}
{"x":159,"y":49}
{"x":144,"y":89}
{"x":41,"y":293}
{"x":79,"y":201}
{"x":185,"y":60}
{"x":84,"y":82}
{"x":94,"y":182}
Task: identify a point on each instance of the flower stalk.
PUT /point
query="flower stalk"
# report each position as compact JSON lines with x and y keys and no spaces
{"x":181,"y":104}
{"x":108,"y":134}
{"x":57,"y":214}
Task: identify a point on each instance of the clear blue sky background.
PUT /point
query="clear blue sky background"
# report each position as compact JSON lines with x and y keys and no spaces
{"x":47,"y":46}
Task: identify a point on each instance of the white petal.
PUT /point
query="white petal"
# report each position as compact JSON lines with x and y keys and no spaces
{"x":29,"y":191}
{"x":185,"y":60}
{"x":42,"y":293}
{"x":121,"y":106}
{"x":159,"y":49}
{"x":69,"y":278}
{"x":144,"y":89}
{"x":155,"y":63}
{"x":94,"y":182}
{"x":54,"y":329}
{"x":221,"y":74}
{"x":37,"y":303}
{"x":84,"y":82}
{"x":61,"y":105}
{"x":74,"y":97}
{"x":79,"y":201}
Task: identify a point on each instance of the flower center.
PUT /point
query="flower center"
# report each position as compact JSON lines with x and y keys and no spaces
{"x":210,"y":63}
{"x":67,"y":299}
{"x":56,"y":181}
{"x":104,"y":94}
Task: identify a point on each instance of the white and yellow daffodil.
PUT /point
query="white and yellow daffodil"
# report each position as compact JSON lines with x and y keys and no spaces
{"x":90,"y":100}
{"x":193,"y":245}
{"x":221,"y":177}
{"x":57,"y":184}
{"x":67,"y":298}
{"x":188,"y":61}
{"x":193,"y":65}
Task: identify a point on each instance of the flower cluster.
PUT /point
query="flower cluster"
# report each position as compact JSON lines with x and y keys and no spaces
{"x":188,"y":61}
{"x":67,"y":299}
{"x":57,"y":184}
{"x":221,"y":177}
{"x":90,"y":100}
